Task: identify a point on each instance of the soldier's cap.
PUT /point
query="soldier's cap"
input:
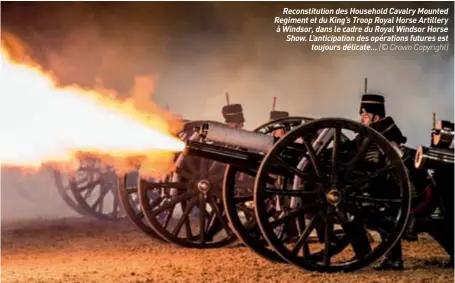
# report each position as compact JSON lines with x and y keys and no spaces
{"x":373,"y":103}
{"x":389,"y":130}
{"x":233,"y":113}
{"x":275,"y":115}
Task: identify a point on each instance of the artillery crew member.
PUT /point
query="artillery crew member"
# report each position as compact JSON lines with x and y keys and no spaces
{"x":233,"y":115}
{"x":372,"y":108}
{"x":275,"y":115}
{"x":372,"y":113}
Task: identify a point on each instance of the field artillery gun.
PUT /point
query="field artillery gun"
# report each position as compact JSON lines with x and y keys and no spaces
{"x":169,"y":210}
{"x":437,"y":214}
{"x":314,"y":180}
{"x":186,"y":208}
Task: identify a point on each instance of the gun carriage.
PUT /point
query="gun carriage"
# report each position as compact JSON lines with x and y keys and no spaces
{"x":324,"y":178}
{"x":158,"y":193}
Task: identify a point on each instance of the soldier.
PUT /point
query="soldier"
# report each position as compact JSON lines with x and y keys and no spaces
{"x":372,"y":108}
{"x":275,"y":115}
{"x":233,"y":115}
{"x":372,"y":113}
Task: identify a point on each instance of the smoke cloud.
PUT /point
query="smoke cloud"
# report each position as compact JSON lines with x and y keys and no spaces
{"x":197,"y":52}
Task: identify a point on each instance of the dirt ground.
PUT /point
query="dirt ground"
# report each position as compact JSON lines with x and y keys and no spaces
{"x":81,"y":250}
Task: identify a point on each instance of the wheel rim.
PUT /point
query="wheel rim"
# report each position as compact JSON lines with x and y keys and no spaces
{"x":196,"y":183}
{"x":237,"y":199}
{"x":326,"y":205}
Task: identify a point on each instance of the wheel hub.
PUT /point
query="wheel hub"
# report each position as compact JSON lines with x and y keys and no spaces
{"x":333,"y":197}
{"x":204,"y":186}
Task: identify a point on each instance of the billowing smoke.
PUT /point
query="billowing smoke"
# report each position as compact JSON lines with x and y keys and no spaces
{"x":199,"y":51}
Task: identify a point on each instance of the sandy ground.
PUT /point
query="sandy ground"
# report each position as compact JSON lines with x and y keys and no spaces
{"x":82,"y":250}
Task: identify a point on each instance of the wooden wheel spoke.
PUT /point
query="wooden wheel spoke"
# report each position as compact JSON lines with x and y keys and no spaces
{"x":303,"y":240}
{"x":88,"y":192}
{"x":169,"y":217}
{"x":294,"y":214}
{"x":172,"y":202}
{"x":202,"y":214}
{"x":374,"y":200}
{"x":184,"y":218}
{"x":189,"y":232}
{"x":99,"y":201}
{"x":221,"y":219}
{"x":327,"y":238}
{"x":293,"y":170}
{"x":155,"y":202}
{"x":211,"y":226}
{"x":283,"y":230}
{"x":313,"y":157}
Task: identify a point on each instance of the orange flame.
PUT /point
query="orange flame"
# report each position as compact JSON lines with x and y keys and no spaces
{"x":42,"y":123}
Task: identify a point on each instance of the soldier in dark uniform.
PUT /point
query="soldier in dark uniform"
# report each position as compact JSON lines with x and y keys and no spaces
{"x":275,"y":115}
{"x":233,"y":115}
{"x":372,"y":108}
{"x":372,"y":113}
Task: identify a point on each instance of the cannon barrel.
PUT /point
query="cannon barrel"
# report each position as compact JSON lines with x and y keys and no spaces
{"x":223,"y":154}
{"x":243,"y":148}
{"x":443,"y":135}
{"x":434,"y":158}
{"x":224,"y":134}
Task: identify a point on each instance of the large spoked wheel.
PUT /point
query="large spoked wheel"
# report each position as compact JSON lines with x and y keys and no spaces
{"x":238,"y":196}
{"x":357,"y":186}
{"x":64,"y":190}
{"x":95,"y":190}
{"x":128,"y":195}
{"x":190,"y":211}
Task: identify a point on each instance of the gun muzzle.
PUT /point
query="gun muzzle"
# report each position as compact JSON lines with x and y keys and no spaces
{"x":443,"y":135}
{"x":432,"y":158}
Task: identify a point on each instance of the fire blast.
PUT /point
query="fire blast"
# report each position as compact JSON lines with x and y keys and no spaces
{"x":42,"y":123}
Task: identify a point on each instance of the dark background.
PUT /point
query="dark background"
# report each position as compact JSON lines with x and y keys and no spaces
{"x":200,"y":50}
